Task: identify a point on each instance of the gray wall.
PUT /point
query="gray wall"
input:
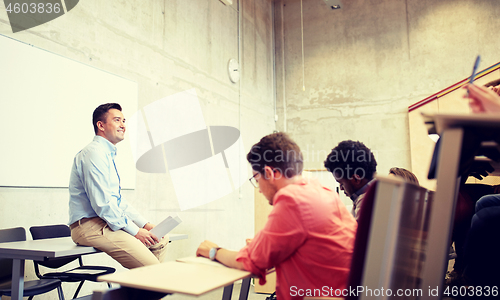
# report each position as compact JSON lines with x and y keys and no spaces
{"x":166,"y":47}
{"x":368,"y":61}
{"x":364,"y":64}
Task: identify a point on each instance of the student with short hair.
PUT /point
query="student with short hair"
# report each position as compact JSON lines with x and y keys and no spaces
{"x":353,"y":166}
{"x":309,"y":234}
{"x":404,"y":174}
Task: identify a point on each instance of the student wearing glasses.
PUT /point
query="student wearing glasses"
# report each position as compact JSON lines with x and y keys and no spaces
{"x":309,"y":234}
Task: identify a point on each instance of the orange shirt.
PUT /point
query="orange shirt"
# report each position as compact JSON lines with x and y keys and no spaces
{"x":308,"y":238}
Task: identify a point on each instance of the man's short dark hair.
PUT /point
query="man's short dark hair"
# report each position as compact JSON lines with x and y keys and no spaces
{"x":101,"y":112}
{"x":350,"y":158}
{"x":279,"y":152}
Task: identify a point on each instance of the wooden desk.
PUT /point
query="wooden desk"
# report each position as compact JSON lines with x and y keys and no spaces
{"x":44,"y":249}
{"x":454,"y":131}
{"x":192,"y":279}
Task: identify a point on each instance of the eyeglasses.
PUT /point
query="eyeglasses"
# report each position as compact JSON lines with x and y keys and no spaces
{"x":254,"y":181}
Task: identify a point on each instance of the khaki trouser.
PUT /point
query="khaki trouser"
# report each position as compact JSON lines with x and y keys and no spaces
{"x":120,"y":245}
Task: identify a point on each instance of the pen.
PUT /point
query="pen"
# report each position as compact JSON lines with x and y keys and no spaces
{"x":474,"y":69}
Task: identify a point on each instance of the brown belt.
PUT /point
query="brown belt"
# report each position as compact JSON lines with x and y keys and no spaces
{"x":80,"y":222}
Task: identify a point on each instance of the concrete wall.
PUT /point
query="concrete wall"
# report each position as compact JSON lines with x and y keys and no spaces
{"x":365,"y":63}
{"x":166,"y":47}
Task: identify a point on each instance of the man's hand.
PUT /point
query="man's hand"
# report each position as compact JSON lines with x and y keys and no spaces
{"x":496,"y":89}
{"x":148,"y":226}
{"x":146,"y":237}
{"x":204,"y":248}
{"x":224,"y":256}
{"x":483,"y":100}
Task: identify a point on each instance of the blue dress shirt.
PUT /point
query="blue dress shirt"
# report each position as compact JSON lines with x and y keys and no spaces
{"x":94,"y":189}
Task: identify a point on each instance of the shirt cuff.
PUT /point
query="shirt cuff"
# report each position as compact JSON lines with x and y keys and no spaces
{"x":243,"y":257}
{"x":131,"y":228}
{"x":140,"y":221}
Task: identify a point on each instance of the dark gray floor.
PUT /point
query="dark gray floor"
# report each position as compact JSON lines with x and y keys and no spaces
{"x":217,"y":295}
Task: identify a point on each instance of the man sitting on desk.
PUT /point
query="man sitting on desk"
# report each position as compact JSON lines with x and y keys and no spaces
{"x":309,"y":234}
{"x":99,"y":216}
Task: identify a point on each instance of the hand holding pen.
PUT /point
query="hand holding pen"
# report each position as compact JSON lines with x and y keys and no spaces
{"x":483,"y":100}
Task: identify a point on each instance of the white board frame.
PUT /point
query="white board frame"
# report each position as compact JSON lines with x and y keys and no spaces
{"x":46,"y":105}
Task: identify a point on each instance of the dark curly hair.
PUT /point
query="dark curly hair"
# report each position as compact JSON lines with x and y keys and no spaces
{"x":350,"y":158}
{"x":101,"y":112}
{"x":279,"y":152}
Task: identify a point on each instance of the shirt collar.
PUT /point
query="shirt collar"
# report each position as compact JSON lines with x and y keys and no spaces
{"x":107,"y":144}
{"x":361,"y":191}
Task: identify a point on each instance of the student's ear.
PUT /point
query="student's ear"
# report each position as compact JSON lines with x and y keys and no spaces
{"x":268,"y":173}
{"x":357,"y":178}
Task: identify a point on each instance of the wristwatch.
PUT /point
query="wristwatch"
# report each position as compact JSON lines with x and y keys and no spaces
{"x":213,"y":252}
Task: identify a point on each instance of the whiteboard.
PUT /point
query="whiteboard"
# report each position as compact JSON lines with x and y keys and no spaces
{"x":46,"y":106}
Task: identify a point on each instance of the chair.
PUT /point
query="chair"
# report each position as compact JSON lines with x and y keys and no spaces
{"x":390,"y":244}
{"x":79,"y":274}
{"x":31,"y":288}
{"x":361,"y":240}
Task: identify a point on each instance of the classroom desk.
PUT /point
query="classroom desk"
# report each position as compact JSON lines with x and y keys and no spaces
{"x":177,"y":236}
{"x":461,"y":138}
{"x":192,"y":279}
{"x":44,"y":249}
